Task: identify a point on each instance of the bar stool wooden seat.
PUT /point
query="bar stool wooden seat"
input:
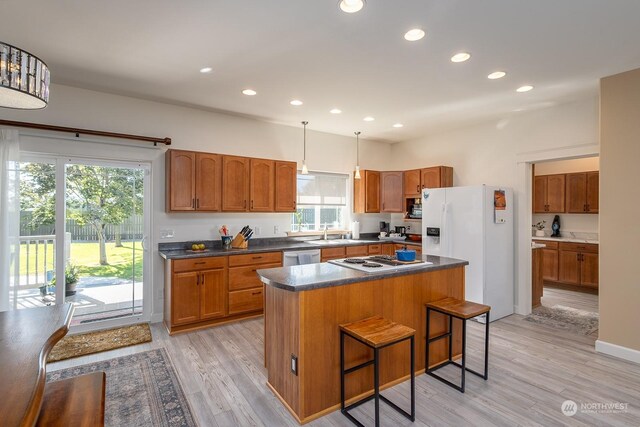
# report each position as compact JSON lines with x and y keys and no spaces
{"x":463,"y":310}
{"x":376,"y":333}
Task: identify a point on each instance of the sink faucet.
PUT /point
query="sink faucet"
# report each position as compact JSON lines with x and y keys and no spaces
{"x":324,"y":234}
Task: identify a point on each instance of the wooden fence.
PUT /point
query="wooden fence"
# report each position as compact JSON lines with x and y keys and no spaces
{"x":132,"y":228}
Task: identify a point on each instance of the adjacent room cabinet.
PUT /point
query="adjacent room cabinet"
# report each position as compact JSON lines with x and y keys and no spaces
{"x":193,"y":181}
{"x":566,"y":263}
{"x":583,"y":192}
{"x":549,"y":194}
{"x":213,"y":182}
{"x":391,"y":192}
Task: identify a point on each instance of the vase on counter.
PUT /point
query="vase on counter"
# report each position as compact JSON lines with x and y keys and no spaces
{"x":539,"y":233}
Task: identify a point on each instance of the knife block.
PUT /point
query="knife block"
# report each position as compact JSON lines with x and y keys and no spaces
{"x":239,"y":242}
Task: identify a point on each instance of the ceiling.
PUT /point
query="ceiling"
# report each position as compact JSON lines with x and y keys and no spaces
{"x":312,"y":51}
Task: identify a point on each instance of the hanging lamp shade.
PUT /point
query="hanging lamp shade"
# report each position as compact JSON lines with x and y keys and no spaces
{"x":24,"y":79}
{"x":305,"y":171}
{"x":357,"y":174}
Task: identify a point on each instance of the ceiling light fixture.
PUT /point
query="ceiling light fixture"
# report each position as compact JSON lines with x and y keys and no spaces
{"x":525,"y":88}
{"x":368,"y":119}
{"x":335,"y":111}
{"x":206,"y":70}
{"x":357,"y":174}
{"x":249,"y":92}
{"x":305,"y":171}
{"x":351,"y":6}
{"x":398,"y":125}
{"x":296,"y":102}
{"x":496,"y":75}
{"x":460,"y":57}
{"x":414,"y":34}
{"x":24,"y":79}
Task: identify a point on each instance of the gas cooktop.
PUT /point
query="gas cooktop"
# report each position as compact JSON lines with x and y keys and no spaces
{"x":376,"y":263}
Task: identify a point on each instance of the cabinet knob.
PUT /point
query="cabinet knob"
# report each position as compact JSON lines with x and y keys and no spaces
{"x":418,"y":188}
{"x":197,"y":203}
{"x":193,"y":203}
{"x":256,"y":293}
{"x":245,"y":204}
{"x":252,"y":204}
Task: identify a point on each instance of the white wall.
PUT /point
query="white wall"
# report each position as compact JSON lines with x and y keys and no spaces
{"x":195,"y":129}
{"x":587,"y":164}
{"x":488,"y":153}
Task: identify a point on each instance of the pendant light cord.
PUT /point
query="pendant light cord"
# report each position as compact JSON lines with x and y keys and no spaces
{"x":357,"y":148}
{"x":304,"y":139}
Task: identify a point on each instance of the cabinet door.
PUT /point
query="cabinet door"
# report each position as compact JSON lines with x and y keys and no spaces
{"x":372,"y":191}
{"x":208,"y":182}
{"x":593,"y":192}
{"x":246,"y":277}
{"x":286,"y":186}
{"x":550,"y":265}
{"x":430,"y":178}
{"x":235,"y":184}
{"x":246,"y":301}
{"x":181,"y":180}
{"x":540,"y":194}
{"x":213,"y":292}
{"x":360,"y":250}
{"x":576,"y":192}
{"x":388,"y":249}
{"x":185,"y":298}
{"x":262,"y":187}
{"x":391,"y":192}
{"x":412,"y":185}
{"x":589,"y":270}
{"x":570,"y":267}
{"x":556,"y":193}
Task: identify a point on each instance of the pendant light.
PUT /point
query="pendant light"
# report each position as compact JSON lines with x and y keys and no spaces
{"x":24,"y":79}
{"x":357,"y":174}
{"x":305,"y":171}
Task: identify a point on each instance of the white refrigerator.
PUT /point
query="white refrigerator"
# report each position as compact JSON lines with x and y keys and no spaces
{"x":474,"y":224}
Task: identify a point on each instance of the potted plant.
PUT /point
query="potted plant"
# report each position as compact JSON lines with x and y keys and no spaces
{"x":71,"y":274}
{"x":539,"y":228}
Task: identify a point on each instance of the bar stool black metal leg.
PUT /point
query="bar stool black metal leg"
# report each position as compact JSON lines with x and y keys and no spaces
{"x":376,"y":384}
{"x":464,"y":352}
{"x":341,"y":371}
{"x":486,"y":349}
{"x":426,"y":347}
{"x":450,"y":337}
{"x":413,"y":380}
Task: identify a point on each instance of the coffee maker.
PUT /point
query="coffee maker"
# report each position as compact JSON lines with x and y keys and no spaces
{"x":384,"y":227}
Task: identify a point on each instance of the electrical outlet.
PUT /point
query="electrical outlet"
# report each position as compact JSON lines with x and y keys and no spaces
{"x":276,"y":229}
{"x":294,"y":365}
{"x":166,"y":234}
{"x":256,"y":231}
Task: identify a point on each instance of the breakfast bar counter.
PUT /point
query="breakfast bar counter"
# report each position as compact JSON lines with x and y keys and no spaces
{"x":304,"y":306}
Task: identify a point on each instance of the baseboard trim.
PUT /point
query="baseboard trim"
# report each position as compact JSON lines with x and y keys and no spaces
{"x":618,"y":351}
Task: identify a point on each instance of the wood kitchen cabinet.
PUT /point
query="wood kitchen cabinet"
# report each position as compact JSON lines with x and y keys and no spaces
{"x":366,"y":192}
{"x":194,"y":181}
{"x":286,"y":186}
{"x":549,"y":193}
{"x":235,"y":183}
{"x":327,"y":254}
{"x":391,"y":194}
{"x":262,"y":184}
{"x":549,"y":260}
{"x":583,"y":192}
{"x":412,"y":183}
{"x":578,"y":264}
{"x":246,"y":292}
{"x":434,"y":177}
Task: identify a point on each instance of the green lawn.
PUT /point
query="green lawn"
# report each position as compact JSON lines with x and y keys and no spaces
{"x":86,"y":257}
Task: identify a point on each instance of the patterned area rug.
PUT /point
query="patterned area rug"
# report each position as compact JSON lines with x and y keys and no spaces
{"x":96,"y":342}
{"x":142,"y":390}
{"x":565,"y":318}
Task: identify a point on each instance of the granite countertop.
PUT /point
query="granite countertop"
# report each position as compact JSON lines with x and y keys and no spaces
{"x":315,"y":276}
{"x":567,"y":239}
{"x":179,"y":250}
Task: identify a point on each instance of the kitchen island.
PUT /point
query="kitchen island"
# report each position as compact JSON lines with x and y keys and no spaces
{"x":305,"y":304}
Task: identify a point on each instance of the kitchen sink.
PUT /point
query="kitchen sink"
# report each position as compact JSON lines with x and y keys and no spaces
{"x":334,"y":242}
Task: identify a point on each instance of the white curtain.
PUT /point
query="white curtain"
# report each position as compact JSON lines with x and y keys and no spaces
{"x":9,"y":216}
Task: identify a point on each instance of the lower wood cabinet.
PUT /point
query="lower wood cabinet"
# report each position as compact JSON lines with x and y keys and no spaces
{"x":567,"y":263}
{"x":332,"y":253}
{"x":246,"y":291}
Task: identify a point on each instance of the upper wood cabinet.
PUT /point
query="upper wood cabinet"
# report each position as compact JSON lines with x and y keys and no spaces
{"x":193,"y":181}
{"x":366,"y":192}
{"x":549,"y":194}
{"x":582,"y":192}
{"x":412,"y":183}
{"x":262,"y":185}
{"x":286,"y":186}
{"x":391,"y":194}
{"x":434,"y":177}
{"x":235,"y":183}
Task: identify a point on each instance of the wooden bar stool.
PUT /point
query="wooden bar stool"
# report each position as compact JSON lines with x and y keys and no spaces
{"x":463,"y":310}
{"x":376,"y":333}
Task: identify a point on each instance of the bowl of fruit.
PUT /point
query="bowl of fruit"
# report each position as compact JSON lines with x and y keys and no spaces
{"x":198,"y":247}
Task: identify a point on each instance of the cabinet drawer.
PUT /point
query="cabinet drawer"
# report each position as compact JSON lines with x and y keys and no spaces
{"x":253,"y":259}
{"x":548,"y":244}
{"x":331,"y":253}
{"x":579,"y":247}
{"x":246,"y":277}
{"x":246,"y":300}
{"x":375,"y":249}
{"x":356,"y":250}
{"x":194,"y":264}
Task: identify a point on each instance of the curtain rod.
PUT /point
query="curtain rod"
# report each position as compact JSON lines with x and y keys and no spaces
{"x":77,"y":131}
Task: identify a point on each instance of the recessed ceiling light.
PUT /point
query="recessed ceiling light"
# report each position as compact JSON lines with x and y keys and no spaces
{"x":460,"y":57}
{"x":496,"y":75}
{"x":296,"y":102}
{"x":398,"y":125}
{"x":351,"y":6}
{"x":525,"y":88}
{"x":249,"y":92}
{"x":368,"y":119}
{"x":414,"y":34}
{"x":206,"y":70}
{"x":335,"y":111}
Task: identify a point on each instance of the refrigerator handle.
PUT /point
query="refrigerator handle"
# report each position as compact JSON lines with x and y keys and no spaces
{"x":444,"y":232}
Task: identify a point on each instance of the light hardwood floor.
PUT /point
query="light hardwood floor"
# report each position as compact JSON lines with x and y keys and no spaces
{"x":573,"y":299}
{"x":532,"y":370}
